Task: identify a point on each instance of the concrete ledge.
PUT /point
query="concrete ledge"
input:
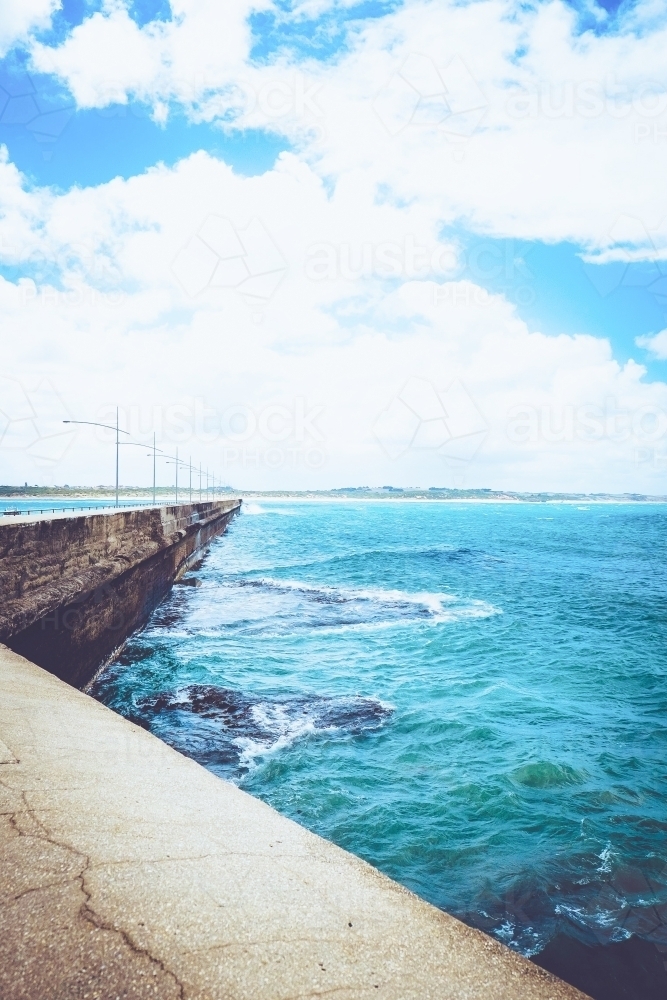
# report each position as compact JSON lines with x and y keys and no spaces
{"x":129,"y":871}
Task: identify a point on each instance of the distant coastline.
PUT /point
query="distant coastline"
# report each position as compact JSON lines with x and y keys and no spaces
{"x":378,"y":494}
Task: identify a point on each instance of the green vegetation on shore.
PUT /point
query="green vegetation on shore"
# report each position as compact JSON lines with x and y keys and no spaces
{"x":351,"y":493}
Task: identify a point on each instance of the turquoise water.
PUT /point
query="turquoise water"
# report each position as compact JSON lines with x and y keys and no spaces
{"x":471,"y":696}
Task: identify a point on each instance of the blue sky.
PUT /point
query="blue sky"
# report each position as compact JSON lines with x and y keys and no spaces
{"x":556,"y":292}
{"x":541,"y":194}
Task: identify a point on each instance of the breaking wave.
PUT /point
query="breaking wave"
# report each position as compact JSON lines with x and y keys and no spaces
{"x":371,"y":605}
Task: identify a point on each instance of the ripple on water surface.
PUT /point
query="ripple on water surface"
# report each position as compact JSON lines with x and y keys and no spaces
{"x":472,"y":697}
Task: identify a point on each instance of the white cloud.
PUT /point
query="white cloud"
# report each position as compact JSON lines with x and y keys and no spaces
{"x":655,"y":345}
{"x":296,"y":386}
{"x":19,"y":18}
{"x":108,"y":57}
{"x":566,"y":145}
{"x":311,"y":305}
{"x":531,"y":130}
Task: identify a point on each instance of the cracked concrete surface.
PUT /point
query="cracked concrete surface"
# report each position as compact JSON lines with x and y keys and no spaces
{"x":129,"y":871}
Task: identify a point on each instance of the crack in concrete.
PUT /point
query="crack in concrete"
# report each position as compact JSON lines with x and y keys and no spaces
{"x":151,"y":861}
{"x":220,"y":855}
{"x":86,"y":911}
{"x":265,"y":942}
{"x":320,"y":993}
{"x":38,"y":888}
{"x":94,"y":918}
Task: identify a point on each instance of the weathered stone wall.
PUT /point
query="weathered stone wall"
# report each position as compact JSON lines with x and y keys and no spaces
{"x":72,"y":589}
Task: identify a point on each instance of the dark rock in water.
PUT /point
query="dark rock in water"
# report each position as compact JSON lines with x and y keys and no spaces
{"x":531,"y":911}
{"x":224,"y":728}
{"x":234,"y":708}
{"x":624,"y":970}
{"x":189,"y":581}
{"x":228,"y":706}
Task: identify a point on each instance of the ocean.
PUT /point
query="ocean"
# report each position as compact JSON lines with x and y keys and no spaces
{"x":470,"y":696}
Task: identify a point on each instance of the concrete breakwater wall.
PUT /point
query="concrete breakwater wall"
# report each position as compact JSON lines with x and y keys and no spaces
{"x":72,"y":589}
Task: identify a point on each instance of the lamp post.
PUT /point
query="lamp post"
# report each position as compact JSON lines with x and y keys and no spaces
{"x":138,"y":444}
{"x":155,"y":453}
{"x":109,"y":427}
{"x":152,"y":454}
{"x":190,"y":468}
{"x":175,"y":460}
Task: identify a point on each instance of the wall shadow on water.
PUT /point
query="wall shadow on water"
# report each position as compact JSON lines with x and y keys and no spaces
{"x":624,"y":970}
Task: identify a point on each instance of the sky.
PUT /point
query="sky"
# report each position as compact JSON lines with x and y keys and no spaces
{"x":320,"y":244}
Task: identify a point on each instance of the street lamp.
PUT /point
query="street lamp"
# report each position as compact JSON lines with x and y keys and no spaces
{"x":138,"y":444}
{"x":189,"y":466}
{"x":154,"y":501}
{"x":175,"y":460}
{"x":154,"y":453}
{"x":109,"y":427}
